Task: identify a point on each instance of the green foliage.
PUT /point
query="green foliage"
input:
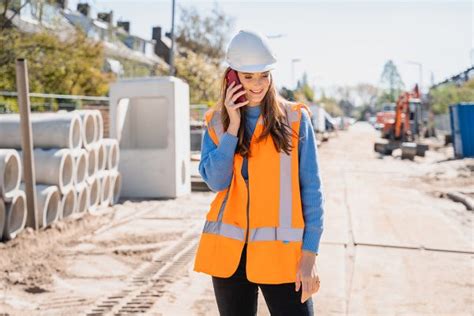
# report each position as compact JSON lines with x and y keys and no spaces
{"x":363,"y":111}
{"x":382,"y":99}
{"x":72,"y":66}
{"x":201,"y":47}
{"x":304,"y":93}
{"x":331,"y":106}
{"x":445,"y":95}
{"x":391,"y":81}
{"x":203,"y":77}
{"x":132,"y":68}
{"x":205,"y":35}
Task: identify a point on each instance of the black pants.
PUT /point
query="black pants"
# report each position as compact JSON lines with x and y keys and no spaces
{"x":238,"y":296}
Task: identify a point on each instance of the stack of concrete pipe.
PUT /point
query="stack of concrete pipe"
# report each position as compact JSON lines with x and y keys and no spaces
{"x":76,"y":168}
{"x":12,"y":199}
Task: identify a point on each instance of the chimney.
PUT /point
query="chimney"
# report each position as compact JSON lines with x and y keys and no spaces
{"x":84,"y":9}
{"x":62,"y":4}
{"x":125,"y":25}
{"x":156,"y":33}
{"x":106,"y":17}
{"x":161,"y":49}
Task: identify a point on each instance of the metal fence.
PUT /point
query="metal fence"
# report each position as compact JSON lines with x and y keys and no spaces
{"x":50,"y":102}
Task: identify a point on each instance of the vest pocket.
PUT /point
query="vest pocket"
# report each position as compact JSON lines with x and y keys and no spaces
{"x":217,"y":205}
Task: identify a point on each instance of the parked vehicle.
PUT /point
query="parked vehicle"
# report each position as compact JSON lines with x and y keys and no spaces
{"x":387,"y":115}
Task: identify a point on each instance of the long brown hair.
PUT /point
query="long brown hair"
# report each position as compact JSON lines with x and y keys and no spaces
{"x":274,"y":120}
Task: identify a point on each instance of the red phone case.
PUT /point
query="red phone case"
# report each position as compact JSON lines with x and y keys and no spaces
{"x":232,"y":76}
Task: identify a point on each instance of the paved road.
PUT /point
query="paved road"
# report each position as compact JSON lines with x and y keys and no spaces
{"x":389,"y":248}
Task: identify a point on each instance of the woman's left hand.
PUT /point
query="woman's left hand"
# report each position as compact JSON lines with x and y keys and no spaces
{"x":307,"y":276}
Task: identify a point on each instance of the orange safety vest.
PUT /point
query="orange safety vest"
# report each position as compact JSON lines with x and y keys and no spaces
{"x":272,"y":224}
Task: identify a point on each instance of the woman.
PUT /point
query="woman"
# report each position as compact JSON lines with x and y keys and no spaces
{"x":265,"y":223}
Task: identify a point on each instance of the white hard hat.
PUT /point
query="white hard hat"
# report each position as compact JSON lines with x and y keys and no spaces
{"x":249,"y":51}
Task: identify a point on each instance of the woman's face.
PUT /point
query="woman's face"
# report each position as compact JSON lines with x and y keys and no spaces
{"x":256,"y":85}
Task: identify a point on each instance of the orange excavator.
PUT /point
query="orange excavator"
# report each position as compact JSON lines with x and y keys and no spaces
{"x":404,"y":130}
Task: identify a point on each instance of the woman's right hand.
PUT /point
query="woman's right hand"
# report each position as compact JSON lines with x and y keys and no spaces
{"x":233,"y":109}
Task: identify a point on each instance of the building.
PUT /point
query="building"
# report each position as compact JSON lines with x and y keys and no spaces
{"x":126,"y":54}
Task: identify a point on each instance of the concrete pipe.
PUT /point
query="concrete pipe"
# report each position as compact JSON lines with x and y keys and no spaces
{"x":3,"y":217}
{"x":92,"y":161}
{"x":101,"y":156}
{"x":15,"y":215}
{"x":113,"y":153}
{"x":90,"y":127}
{"x":68,"y":203}
{"x":49,"y":203}
{"x":93,"y":185}
{"x":54,"y":167}
{"x":100,"y":124}
{"x":50,"y":130}
{"x":81,"y":168}
{"x":10,"y":173}
{"x":115,"y":187}
{"x":82,"y":198}
{"x":104,"y":179}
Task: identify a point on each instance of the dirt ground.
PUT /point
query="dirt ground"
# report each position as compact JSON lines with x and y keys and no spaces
{"x":393,"y":244}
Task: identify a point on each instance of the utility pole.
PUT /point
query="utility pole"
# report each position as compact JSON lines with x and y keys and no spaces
{"x":172,"y":69}
{"x":26,"y":142}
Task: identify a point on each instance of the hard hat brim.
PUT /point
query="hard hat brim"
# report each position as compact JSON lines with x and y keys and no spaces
{"x":253,"y":68}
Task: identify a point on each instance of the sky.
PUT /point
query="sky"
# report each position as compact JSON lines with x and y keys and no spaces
{"x":336,"y":42}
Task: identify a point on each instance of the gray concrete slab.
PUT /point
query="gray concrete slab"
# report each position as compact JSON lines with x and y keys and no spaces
{"x":331,"y":297}
{"x":392,"y":212}
{"x":335,"y":212}
{"x":411,"y":282}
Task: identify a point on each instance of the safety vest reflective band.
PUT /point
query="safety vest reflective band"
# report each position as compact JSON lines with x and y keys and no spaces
{"x":275,"y":221}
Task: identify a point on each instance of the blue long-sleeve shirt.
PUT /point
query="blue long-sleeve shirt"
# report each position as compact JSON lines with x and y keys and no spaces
{"x":216,"y":168}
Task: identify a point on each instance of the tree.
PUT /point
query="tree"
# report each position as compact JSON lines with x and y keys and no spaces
{"x":443,"y":96}
{"x":15,"y":7}
{"x":383,"y":98}
{"x":304,"y":93}
{"x":205,"y":35}
{"x":391,"y":80}
{"x":331,"y":106}
{"x":203,"y":77}
{"x":72,"y":66}
{"x":346,"y":97}
{"x":367,"y":94}
{"x":200,"y":51}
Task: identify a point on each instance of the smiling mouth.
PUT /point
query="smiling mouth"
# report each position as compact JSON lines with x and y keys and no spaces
{"x":256,"y":92}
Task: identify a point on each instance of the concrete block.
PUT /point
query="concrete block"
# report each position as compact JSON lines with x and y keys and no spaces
{"x":154,"y":133}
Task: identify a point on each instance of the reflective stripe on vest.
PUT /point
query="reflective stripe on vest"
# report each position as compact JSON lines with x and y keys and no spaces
{"x":223,"y":229}
{"x":282,"y":233}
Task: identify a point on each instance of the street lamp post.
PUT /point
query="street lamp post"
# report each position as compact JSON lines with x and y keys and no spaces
{"x":172,"y":40}
{"x":293,"y":61}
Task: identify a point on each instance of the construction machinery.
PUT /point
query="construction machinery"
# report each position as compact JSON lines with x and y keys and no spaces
{"x":405,"y":129}
{"x":386,"y":114}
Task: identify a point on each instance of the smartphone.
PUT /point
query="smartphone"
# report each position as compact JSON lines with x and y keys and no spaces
{"x":231,"y":76}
